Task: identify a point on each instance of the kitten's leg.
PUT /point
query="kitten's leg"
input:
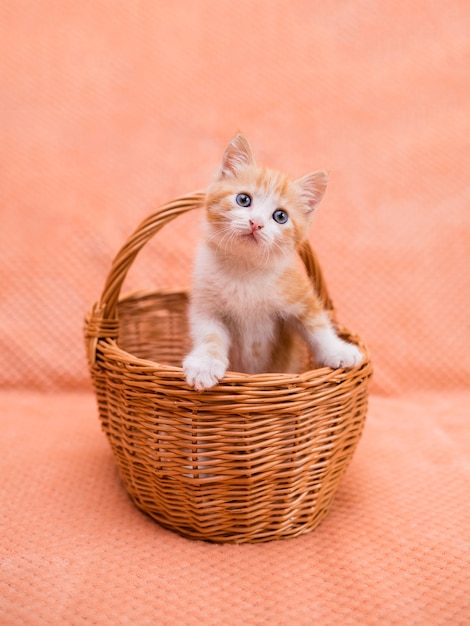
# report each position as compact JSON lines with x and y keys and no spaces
{"x":207,"y":363}
{"x":328,"y":348}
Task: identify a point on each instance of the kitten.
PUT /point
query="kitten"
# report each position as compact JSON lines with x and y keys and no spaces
{"x":250,"y":300}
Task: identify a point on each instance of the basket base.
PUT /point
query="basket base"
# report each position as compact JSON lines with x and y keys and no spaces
{"x":251,"y":533}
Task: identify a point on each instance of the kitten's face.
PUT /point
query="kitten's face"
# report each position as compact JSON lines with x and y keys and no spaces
{"x":256,"y":213}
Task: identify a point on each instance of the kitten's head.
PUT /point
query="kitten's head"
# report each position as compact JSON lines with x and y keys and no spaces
{"x":257,"y":213}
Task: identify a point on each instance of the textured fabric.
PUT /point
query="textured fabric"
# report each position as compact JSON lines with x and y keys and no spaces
{"x":110,"y":108}
{"x":393,"y":550}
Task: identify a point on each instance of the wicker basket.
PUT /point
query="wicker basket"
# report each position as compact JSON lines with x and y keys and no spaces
{"x":257,"y":458}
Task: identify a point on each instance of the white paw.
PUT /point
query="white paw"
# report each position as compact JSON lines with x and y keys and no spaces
{"x":203,"y":372}
{"x":340,"y":354}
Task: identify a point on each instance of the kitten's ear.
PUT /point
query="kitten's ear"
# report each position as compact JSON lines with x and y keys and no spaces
{"x":312,"y":188}
{"x":237,"y":156}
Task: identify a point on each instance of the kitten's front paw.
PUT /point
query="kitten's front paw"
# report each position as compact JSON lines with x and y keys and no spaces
{"x":203,"y":372}
{"x":340,"y":354}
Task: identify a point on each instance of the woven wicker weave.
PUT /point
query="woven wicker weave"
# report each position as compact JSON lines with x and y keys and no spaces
{"x":259,"y":457}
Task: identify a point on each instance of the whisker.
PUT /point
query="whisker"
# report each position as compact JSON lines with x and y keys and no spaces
{"x":226,"y":236}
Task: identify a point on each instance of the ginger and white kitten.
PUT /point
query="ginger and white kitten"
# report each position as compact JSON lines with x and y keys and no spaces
{"x":250,"y":301}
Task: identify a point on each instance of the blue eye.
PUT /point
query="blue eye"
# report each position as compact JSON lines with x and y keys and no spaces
{"x":243,"y":199}
{"x":280,"y":216}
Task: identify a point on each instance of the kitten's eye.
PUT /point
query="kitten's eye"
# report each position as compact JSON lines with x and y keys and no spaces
{"x":280,"y":216}
{"x":243,"y":199}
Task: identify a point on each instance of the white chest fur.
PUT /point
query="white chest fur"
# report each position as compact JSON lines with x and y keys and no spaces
{"x":245,"y":300}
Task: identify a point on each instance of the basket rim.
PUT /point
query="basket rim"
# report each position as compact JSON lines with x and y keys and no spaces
{"x":111,"y":349}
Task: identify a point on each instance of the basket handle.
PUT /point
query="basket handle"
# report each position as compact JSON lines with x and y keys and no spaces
{"x":102,"y":323}
{"x":315,"y":274}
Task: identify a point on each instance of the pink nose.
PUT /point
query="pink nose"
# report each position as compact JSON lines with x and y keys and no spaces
{"x":255,"y":226}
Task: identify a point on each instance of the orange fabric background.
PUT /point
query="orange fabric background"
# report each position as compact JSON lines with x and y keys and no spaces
{"x":109,"y":108}
{"x":393,"y":549}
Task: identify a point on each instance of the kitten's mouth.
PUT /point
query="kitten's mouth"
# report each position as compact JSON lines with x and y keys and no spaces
{"x":250,"y":237}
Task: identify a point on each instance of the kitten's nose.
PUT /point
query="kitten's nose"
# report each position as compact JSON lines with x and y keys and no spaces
{"x":255,"y":226}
